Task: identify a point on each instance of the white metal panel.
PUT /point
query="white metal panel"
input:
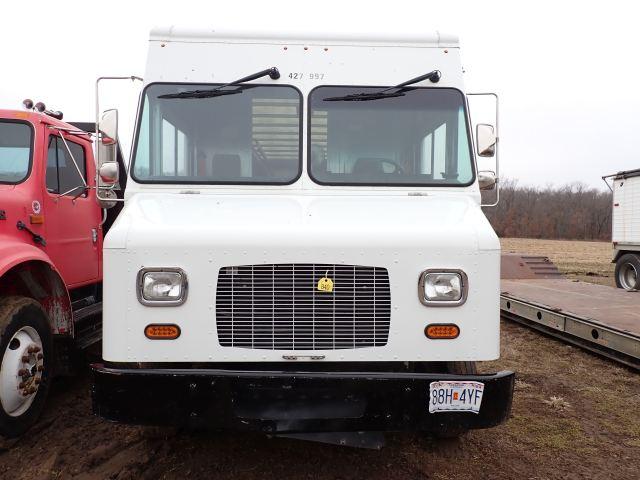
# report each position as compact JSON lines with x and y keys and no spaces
{"x":626,"y":210}
{"x":203,"y":34}
{"x":201,"y":233}
{"x":403,"y":229}
{"x":340,"y":64}
{"x":362,"y":64}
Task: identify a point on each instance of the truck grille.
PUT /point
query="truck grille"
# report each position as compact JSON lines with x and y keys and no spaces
{"x":279,"y":307}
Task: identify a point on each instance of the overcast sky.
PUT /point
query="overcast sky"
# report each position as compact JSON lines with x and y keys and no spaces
{"x":566,"y":72}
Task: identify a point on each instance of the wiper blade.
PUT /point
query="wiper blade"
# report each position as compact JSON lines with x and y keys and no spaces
{"x":434,"y":76}
{"x":219,"y":91}
{"x":363,"y":97}
{"x":201,"y":93}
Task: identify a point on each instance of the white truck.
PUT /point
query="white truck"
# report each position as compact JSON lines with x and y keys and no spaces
{"x":302,"y":250}
{"x":626,"y":228}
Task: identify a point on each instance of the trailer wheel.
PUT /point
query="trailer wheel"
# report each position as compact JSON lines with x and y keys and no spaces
{"x":26,"y":354}
{"x":628,"y":272}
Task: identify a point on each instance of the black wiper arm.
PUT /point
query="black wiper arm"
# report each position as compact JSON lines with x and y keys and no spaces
{"x":434,"y":76}
{"x":273,"y":73}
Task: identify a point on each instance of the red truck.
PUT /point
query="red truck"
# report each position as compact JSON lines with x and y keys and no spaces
{"x":51,"y":231}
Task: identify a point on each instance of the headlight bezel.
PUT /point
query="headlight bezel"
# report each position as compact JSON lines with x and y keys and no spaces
{"x":173,"y":302}
{"x":443,"y":303}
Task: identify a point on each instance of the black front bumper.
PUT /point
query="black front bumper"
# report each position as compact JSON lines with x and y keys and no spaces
{"x":290,"y":402}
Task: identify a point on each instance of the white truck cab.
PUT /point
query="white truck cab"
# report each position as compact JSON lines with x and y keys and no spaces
{"x":302,"y":248}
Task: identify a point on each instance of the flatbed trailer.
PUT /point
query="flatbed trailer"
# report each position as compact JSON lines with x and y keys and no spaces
{"x":602,"y":319}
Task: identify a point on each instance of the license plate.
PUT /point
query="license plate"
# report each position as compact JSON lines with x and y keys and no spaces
{"x":455,"y":396}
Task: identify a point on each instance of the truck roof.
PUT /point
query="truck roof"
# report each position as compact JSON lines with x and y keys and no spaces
{"x":34,"y":117}
{"x":627,"y":174}
{"x":175,"y":33}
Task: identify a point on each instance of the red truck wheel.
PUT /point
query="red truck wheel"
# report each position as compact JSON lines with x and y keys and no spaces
{"x":26,"y":355}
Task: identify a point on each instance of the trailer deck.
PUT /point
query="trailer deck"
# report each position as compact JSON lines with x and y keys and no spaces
{"x":599,"y":318}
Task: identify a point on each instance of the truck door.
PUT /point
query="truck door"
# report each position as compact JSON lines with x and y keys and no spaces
{"x":72,"y":216}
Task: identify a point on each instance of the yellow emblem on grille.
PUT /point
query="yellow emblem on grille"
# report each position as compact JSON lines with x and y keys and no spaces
{"x":325,"y":284}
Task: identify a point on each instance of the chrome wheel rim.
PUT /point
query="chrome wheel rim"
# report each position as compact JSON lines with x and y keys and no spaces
{"x":628,"y":276}
{"x":21,"y":371}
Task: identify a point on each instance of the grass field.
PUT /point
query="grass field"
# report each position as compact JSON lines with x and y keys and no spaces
{"x":586,"y":261}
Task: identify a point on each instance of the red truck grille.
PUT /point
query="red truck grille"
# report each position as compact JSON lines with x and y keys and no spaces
{"x":279,"y":307}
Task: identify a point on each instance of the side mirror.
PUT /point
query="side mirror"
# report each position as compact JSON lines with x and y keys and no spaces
{"x":487,"y":180}
{"x":107,"y":199}
{"x":107,"y":142}
{"x":486,"y":140}
{"x":108,"y":127}
{"x":106,"y":152}
{"x":108,"y":173}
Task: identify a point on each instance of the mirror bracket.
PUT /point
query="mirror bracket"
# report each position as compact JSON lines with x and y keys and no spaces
{"x":496,"y":174}
{"x":106,"y":137}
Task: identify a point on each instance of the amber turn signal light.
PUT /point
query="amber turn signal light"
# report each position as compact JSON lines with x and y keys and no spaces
{"x":159,"y":331}
{"x":445,"y":331}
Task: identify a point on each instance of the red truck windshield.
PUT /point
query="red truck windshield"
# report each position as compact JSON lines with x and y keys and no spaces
{"x":16,"y":140}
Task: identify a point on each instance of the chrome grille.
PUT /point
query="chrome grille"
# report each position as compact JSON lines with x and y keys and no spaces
{"x":278,"y":307}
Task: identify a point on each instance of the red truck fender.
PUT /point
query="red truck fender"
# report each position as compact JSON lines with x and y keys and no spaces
{"x":28,"y":271}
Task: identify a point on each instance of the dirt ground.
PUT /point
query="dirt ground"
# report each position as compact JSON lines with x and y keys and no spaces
{"x":574,"y":416}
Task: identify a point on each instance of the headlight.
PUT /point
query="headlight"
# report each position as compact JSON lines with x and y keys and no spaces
{"x":162,"y":286}
{"x":443,"y":287}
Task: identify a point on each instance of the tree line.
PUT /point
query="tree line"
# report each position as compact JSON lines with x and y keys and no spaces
{"x":573,"y":211}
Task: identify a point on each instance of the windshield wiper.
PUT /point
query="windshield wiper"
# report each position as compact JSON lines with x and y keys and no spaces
{"x":273,"y":73}
{"x":434,"y":76}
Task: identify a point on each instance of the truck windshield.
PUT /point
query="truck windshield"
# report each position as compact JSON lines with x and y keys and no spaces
{"x":419,"y":137}
{"x":251,"y":135}
{"x":16,"y":139}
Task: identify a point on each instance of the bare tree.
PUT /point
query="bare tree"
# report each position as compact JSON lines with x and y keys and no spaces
{"x":572,"y":211}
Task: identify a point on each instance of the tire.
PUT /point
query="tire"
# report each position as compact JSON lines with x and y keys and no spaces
{"x":628,"y":272}
{"x":26,"y":359}
{"x":462,"y":368}
{"x":456,"y":368}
